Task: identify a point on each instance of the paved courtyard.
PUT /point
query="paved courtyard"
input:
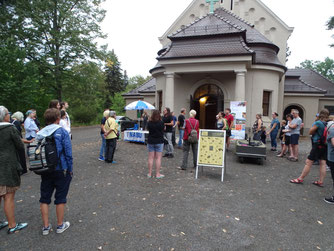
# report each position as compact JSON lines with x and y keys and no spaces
{"x":116,"y":207}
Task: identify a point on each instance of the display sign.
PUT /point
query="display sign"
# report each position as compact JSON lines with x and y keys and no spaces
{"x":238,"y":110}
{"x":211,"y":149}
{"x":135,"y":136}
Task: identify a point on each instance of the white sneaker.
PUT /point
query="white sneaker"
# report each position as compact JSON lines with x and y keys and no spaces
{"x":63,"y":227}
{"x":46,"y":230}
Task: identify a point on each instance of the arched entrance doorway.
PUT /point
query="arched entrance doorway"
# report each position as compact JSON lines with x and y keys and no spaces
{"x":294,"y":107}
{"x":208,"y":100}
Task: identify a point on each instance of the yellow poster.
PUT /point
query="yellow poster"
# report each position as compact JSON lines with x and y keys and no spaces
{"x":211,"y":150}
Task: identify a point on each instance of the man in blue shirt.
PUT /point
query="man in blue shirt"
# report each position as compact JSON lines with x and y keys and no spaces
{"x":60,"y":179}
{"x":274,"y":128}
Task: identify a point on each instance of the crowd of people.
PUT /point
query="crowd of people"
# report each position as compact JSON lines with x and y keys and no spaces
{"x":13,"y":159}
{"x":160,"y":138}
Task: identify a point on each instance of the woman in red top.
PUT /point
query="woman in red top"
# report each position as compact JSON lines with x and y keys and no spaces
{"x":191,"y":123}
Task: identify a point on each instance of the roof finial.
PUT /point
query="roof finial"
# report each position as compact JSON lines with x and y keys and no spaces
{"x":212,"y":3}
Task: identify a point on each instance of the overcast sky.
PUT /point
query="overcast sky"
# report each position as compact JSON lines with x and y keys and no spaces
{"x":133,"y":28}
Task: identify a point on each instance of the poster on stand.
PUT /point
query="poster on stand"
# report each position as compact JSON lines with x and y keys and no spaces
{"x":211,"y":150}
{"x":238,"y":110}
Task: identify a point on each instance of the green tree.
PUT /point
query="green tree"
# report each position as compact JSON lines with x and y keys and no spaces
{"x":325,"y":68}
{"x":137,"y":81}
{"x":330,"y":26}
{"x":86,"y":103}
{"x":56,"y":34}
{"x":115,"y":81}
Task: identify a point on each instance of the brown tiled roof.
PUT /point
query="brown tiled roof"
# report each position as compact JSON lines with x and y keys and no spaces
{"x":148,"y":87}
{"x":221,"y":34}
{"x":307,"y":81}
{"x":200,"y":47}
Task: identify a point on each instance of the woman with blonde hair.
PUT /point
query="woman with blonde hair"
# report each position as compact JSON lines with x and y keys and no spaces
{"x":191,"y":124}
{"x":318,"y":151}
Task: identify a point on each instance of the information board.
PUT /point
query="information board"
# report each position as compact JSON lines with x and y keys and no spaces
{"x":211,"y":149}
{"x":238,"y":110}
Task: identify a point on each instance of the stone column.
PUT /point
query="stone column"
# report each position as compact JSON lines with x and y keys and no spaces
{"x":240,"y":86}
{"x":169,"y":93}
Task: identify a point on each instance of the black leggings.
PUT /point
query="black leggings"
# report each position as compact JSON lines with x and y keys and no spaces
{"x":331,"y":165}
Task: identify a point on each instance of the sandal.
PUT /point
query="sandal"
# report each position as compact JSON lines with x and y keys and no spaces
{"x":297,"y":181}
{"x":318,"y":183}
{"x":149,"y":176}
{"x":161,"y":176}
{"x":3,"y":224}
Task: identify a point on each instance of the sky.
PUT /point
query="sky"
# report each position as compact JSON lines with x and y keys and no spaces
{"x":133,"y":28}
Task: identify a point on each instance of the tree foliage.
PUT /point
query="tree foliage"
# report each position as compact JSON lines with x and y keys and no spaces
{"x":56,"y":34}
{"x":325,"y":68}
{"x":330,"y":26}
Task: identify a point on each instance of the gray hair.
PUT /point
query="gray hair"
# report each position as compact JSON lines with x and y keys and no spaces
{"x":112,"y":114}
{"x":19,"y":116}
{"x":295,"y":111}
{"x":3,"y":113}
{"x":192,"y":113}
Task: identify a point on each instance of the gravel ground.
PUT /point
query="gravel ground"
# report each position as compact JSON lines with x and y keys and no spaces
{"x":116,"y":207}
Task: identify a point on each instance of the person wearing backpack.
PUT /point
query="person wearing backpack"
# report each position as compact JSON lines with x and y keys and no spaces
{"x":59,"y":179}
{"x":319,"y":149}
{"x":190,"y":139}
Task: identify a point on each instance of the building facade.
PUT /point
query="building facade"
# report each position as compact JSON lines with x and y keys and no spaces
{"x":235,"y":53}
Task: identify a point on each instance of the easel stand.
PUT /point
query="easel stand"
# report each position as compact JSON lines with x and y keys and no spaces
{"x":223,"y":169}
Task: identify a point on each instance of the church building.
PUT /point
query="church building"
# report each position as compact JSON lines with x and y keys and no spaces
{"x":219,"y":51}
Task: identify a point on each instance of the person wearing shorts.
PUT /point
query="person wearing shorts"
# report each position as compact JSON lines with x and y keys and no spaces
{"x":155,"y":143}
{"x":60,"y":179}
{"x":295,"y":126}
{"x":318,"y":151}
{"x":287,"y":136}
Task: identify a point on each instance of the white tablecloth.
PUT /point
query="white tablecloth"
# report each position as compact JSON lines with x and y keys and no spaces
{"x":135,"y":136}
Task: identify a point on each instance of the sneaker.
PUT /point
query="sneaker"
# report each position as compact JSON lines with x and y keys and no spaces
{"x":46,"y":230}
{"x":62,"y":228}
{"x":101,"y":159}
{"x":18,"y":227}
{"x":328,"y":169}
{"x":170,"y":156}
{"x":329,"y":200}
{"x":113,"y":162}
{"x":166,"y":155}
{"x":3,"y":224}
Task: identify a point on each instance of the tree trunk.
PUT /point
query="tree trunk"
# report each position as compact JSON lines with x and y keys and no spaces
{"x":57,"y":71}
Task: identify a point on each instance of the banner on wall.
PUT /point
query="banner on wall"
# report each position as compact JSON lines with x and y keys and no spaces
{"x":238,"y":110}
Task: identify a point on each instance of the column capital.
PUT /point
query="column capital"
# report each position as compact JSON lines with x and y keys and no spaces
{"x":240,"y":72}
{"x":169,"y":74}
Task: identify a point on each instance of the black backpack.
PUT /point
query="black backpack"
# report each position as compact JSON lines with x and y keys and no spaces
{"x":43,"y":157}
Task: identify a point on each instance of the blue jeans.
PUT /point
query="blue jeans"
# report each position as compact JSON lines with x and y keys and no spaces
{"x":181,"y":137}
{"x":273,"y":137}
{"x":103,"y":146}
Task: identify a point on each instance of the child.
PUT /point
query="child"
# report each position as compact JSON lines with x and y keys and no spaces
{"x":263,"y":135}
{"x":282,"y":134}
{"x":59,"y":179}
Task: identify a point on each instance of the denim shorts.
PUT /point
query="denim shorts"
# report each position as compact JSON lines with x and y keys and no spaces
{"x":55,"y":181}
{"x":155,"y":148}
